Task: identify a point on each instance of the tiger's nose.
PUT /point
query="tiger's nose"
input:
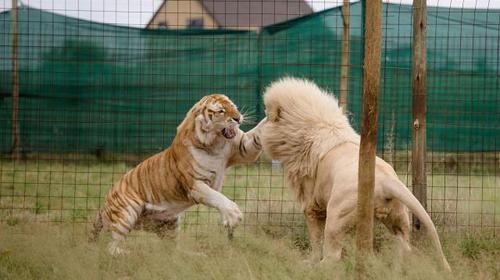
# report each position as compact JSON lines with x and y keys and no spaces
{"x":237,"y":119}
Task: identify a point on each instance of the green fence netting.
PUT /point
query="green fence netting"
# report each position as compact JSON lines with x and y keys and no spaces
{"x":88,"y":87}
{"x":463,"y":70}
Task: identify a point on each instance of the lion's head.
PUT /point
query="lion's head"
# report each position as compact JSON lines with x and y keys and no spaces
{"x":213,"y":116}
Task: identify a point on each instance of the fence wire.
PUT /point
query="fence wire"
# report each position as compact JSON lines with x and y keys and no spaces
{"x":96,"y":98}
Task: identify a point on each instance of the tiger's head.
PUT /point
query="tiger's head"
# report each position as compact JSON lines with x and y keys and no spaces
{"x":214,"y":116}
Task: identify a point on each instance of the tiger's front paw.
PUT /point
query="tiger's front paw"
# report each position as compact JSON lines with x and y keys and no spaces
{"x":231,"y":215}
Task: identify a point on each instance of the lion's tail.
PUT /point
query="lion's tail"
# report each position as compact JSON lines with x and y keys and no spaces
{"x":399,"y":191}
{"x":97,"y":227}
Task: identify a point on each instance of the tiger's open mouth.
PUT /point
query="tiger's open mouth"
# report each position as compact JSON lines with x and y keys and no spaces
{"x":229,"y":132}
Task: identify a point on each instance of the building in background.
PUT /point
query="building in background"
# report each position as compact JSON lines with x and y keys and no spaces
{"x":231,"y":14}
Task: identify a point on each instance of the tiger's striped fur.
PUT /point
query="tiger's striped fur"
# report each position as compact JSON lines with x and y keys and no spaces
{"x":153,"y":194}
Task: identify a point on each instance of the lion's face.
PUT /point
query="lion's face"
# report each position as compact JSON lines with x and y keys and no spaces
{"x":220,"y":115}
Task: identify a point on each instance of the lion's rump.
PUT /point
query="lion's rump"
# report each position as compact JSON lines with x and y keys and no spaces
{"x":304,"y":123}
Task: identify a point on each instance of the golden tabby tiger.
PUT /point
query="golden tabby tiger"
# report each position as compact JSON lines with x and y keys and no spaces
{"x":154,"y":194}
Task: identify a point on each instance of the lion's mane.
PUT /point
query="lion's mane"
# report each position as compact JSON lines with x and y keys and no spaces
{"x":305,"y":123}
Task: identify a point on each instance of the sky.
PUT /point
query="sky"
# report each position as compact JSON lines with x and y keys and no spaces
{"x":136,"y":13}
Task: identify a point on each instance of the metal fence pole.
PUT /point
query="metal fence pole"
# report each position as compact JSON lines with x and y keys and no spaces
{"x":419,"y":84}
{"x":344,"y":68}
{"x":16,"y":141}
{"x":366,"y":175}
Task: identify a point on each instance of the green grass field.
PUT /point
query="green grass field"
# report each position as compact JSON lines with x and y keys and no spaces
{"x":46,"y":207}
{"x":40,"y":251}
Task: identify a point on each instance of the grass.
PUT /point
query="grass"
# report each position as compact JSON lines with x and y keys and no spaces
{"x":45,"y":207}
{"x":40,"y":251}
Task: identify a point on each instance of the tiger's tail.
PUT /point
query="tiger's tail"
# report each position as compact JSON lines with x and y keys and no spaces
{"x":97,"y":228}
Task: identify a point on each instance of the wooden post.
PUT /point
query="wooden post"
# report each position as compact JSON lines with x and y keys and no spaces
{"x":16,"y":141}
{"x":344,"y":67}
{"x":366,"y":175}
{"x":419,"y":83}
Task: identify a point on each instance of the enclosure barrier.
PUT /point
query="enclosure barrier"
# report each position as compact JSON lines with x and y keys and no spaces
{"x":94,"y":99}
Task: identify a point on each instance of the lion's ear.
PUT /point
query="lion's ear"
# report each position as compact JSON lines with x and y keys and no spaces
{"x":273,"y":114}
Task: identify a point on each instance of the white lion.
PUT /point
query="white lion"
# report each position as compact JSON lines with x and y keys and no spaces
{"x":308,"y":132}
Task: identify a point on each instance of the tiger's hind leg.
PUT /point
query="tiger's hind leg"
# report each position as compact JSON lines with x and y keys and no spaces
{"x":167,"y":229}
{"x":115,"y":246}
{"x":96,"y":229}
{"x":121,"y":222}
{"x":162,"y":224}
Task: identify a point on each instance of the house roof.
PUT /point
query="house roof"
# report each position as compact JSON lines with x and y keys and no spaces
{"x":254,"y":13}
{"x":251,"y":13}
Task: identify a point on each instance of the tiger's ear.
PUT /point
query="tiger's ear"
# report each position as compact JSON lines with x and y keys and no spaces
{"x":203,"y":122}
{"x":206,"y":123}
{"x":196,"y":110}
{"x":203,"y":129}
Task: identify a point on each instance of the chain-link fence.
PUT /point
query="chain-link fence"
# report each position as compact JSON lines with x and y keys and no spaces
{"x":95,"y":99}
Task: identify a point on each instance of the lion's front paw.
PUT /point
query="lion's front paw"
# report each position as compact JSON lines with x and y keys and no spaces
{"x":231,"y":215}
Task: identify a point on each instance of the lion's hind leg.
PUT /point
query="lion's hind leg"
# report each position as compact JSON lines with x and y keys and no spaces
{"x":315,"y":221}
{"x":340,"y":218}
{"x":398,"y":223}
